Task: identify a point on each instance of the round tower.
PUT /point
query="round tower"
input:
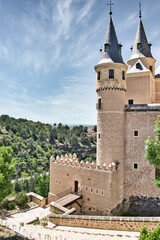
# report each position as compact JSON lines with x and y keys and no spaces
{"x":110,"y":88}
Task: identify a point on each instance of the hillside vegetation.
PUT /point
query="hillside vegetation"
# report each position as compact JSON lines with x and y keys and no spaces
{"x":34,"y":142}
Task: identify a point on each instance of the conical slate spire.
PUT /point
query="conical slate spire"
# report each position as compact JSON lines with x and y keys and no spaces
{"x":111,"y":50}
{"x":141,"y":47}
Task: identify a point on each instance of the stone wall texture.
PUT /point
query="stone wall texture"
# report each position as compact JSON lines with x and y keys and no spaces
{"x":140,"y":181}
{"x":109,"y":223}
{"x":98,"y":186}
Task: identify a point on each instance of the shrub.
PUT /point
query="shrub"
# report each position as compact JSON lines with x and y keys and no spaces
{"x":146,"y":235}
{"x":11,"y":206}
{"x":21,"y":199}
{"x":36,"y":222}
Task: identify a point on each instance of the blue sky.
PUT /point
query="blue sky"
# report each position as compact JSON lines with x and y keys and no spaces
{"x":48,"y":50}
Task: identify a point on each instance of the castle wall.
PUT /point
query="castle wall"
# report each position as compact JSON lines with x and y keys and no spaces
{"x":139,"y":88}
{"x":98,"y":186}
{"x":157,"y":89}
{"x":140,"y":181}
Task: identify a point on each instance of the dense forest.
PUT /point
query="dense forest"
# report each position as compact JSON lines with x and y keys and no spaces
{"x":34,"y":142}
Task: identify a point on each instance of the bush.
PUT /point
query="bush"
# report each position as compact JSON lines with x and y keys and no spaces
{"x":21,"y":199}
{"x":11,"y":206}
{"x":36,"y":222}
{"x":145,"y":235}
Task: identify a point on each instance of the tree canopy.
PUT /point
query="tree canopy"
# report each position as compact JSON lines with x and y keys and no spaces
{"x":152,"y":149}
{"x":34,"y":142}
{"x":7,"y":169}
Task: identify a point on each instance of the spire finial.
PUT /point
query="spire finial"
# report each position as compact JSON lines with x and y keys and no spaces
{"x":110,"y":4}
{"x":140,"y":13}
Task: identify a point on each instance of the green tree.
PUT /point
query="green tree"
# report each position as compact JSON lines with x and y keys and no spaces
{"x":7,"y":169}
{"x":21,"y":199}
{"x":152,"y":149}
{"x":17,"y":186}
{"x":95,"y":128}
{"x":42,"y":185}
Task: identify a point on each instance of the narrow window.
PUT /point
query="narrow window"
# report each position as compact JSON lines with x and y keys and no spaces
{"x":111,"y":73}
{"x":135,"y":165}
{"x":106,"y":47}
{"x":138,"y":46}
{"x":120,"y":48}
{"x":86,"y":189}
{"x":97,"y":191}
{"x":99,"y":135}
{"x":99,"y":76}
{"x":150,"y":45}
{"x":130,"y":101}
{"x":123,"y":75}
{"x":99,"y":104}
{"x":150,"y":68}
{"x":136,"y":133}
{"x":91,"y":190}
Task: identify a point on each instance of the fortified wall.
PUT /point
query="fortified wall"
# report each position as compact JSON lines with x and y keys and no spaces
{"x":139,"y":175}
{"x":98,"y":184}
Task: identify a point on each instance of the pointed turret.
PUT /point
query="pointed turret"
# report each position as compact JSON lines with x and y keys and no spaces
{"x":111,"y":50}
{"x":141,"y":47}
{"x":141,"y":70}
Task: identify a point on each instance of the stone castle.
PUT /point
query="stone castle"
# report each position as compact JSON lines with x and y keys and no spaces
{"x":128,"y":102}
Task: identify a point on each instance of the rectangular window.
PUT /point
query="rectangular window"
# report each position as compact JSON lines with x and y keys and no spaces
{"x":99,"y":135}
{"x":135,"y":165}
{"x":136,"y":133}
{"x":99,"y":104}
{"x":150,"y":68}
{"x":138,"y":46}
{"x":106,"y":47}
{"x":111,"y":73}
{"x":130,"y":101}
{"x":123,"y":75}
{"x":98,"y":75}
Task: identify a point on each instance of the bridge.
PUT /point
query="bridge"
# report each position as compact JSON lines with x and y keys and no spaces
{"x":69,"y":199}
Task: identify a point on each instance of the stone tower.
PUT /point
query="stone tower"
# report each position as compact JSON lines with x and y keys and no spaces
{"x":110,"y":88}
{"x":141,"y":70}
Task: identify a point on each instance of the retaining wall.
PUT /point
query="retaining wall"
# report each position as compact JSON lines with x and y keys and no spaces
{"x":107,"y":223}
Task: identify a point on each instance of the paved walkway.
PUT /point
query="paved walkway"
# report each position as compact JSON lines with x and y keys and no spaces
{"x":59,"y":233}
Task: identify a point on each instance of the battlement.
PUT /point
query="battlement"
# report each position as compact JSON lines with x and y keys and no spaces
{"x":73,"y":161}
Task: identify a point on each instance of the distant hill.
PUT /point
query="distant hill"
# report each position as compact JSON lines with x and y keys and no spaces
{"x":34,"y":142}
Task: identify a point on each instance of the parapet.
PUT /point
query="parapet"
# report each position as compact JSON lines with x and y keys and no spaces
{"x":73,"y":161}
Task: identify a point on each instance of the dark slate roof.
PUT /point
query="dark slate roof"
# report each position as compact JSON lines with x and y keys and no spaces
{"x":113,"y":54}
{"x":157,"y":73}
{"x":140,"y":38}
{"x":142,"y":107}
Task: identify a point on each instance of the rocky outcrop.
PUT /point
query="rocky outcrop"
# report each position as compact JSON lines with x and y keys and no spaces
{"x":138,"y":206}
